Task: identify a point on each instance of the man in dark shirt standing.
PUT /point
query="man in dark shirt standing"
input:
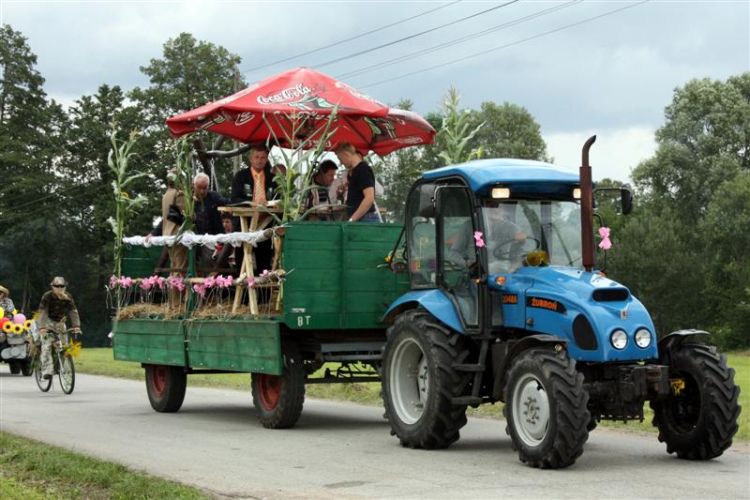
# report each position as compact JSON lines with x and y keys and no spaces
{"x":360,"y":197}
{"x":207,"y":216}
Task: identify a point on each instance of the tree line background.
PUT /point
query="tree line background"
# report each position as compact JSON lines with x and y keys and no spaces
{"x":684,"y":251}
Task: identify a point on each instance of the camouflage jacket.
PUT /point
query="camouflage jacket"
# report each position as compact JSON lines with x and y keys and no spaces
{"x":54,"y":309}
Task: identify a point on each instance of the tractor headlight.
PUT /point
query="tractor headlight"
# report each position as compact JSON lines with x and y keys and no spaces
{"x":642,"y":338}
{"x":619,"y":339}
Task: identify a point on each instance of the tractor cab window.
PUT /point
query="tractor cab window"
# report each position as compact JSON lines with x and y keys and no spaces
{"x":421,"y":236}
{"x":532,"y":232}
{"x":459,"y":250}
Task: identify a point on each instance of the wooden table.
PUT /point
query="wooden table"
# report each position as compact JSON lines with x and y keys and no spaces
{"x":253,"y":217}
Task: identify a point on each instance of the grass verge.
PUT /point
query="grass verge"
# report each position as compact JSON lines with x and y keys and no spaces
{"x":32,"y":470}
{"x":99,"y":361}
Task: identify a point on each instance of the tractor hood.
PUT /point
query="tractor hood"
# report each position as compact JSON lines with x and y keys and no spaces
{"x":585,"y":308}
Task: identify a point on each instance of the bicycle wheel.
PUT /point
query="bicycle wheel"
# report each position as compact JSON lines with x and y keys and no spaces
{"x":67,"y":372}
{"x":43,"y":383}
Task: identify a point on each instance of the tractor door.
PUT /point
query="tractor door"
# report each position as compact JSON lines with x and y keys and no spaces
{"x":457,"y":251}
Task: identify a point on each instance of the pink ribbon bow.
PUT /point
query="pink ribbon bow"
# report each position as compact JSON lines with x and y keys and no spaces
{"x":605,"y":244}
{"x":479,"y":239}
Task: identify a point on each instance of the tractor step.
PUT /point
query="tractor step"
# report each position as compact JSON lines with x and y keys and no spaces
{"x":468,"y":367}
{"x":466,"y":400}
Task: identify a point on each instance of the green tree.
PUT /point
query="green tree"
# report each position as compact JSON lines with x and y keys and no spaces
{"x":509,"y":131}
{"x":685,"y":258}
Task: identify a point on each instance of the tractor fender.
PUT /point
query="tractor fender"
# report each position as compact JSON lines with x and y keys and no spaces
{"x":672,"y":342}
{"x":433,"y":301}
{"x":503,"y":354}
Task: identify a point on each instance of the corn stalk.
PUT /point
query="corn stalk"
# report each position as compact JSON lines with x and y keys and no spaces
{"x":454,"y":135}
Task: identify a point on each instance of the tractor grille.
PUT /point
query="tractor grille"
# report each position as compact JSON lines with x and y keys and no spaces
{"x":584,"y":334}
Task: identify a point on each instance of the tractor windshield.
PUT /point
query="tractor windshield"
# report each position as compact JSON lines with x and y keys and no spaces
{"x":531,"y":232}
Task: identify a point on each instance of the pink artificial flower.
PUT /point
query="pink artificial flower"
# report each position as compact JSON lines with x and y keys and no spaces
{"x":160,"y":282}
{"x":209,"y":282}
{"x":125,"y":281}
{"x":146,"y":284}
{"x":605,"y":244}
{"x":200,"y":289}
{"x":176,"y":282}
{"x":223,"y":281}
{"x":250,"y":282}
{"x":265,"y":273}
{"x":113,"y":281}
{"x":479,"y":239}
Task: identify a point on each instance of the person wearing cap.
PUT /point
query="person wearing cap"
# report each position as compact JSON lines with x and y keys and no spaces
{"x":56,"y":305}
{"x":6,"y":304}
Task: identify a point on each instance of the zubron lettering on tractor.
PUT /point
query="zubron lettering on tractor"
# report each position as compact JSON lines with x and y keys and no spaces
{"x":551,"y":305}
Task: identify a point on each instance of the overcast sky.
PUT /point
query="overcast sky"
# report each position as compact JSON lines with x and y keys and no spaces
{"x":577,"y":73}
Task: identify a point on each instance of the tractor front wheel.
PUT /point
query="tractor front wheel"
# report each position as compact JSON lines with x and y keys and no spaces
{"x":546,"y":409}
{"x":419,"y":381}
{"x":699,"y":418}
{"x":166,"y":387}
{"x":279,"y":398}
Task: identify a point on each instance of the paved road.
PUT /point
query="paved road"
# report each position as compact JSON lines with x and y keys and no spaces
{"x":340,"y":450}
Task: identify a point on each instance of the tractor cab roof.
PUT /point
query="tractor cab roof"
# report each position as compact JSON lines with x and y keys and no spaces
{"x":529,"y":175}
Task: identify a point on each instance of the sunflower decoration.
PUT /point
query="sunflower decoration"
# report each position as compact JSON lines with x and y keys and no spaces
{"x":17,"y":328}
{"x":8,"y":326}
{"x":27,"y":324}
{"x":537,"y":258}
{"x":73,"y":349}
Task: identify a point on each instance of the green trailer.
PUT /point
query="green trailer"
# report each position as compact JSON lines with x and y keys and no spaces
{"x":336,"y":290}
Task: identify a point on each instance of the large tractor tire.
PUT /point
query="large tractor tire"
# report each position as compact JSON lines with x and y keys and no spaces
{"x":419,"y":381}
{"x":699,"y":420}
{"x":279,"y":399}
{"x":546,"y":409}
{"x":165,"y":386}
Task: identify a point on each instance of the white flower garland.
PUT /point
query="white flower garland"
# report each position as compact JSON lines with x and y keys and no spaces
{"x":190,"y":239}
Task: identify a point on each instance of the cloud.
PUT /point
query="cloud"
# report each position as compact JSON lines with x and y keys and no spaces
{"x":614,"y":154}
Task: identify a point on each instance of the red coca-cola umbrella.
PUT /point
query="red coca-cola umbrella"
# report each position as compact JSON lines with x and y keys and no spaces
{"x":292,"y":109}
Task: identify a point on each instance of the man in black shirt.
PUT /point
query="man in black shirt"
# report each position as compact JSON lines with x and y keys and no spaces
{"x":207,"y":216}
{"x":360,"y":197}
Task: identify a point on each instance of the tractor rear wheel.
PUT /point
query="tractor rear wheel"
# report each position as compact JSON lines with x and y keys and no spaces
{"x":279,"y":398}
{"x":419,"y":381}
{"x":699,"y":419}
{"x":546,"y":409}
{"x":165,"y":386}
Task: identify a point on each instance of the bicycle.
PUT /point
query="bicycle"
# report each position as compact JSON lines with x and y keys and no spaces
{"x":62,"y":361}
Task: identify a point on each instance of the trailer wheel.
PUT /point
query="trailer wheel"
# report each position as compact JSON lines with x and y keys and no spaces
{"x":546,"y":409}
{"x":15,"y":367}
{"x":279,"y":399}
{"x":699,"y":420}
{"x":27,"y":368}
{"x":165,"y":386}
{"x":419,"y":381}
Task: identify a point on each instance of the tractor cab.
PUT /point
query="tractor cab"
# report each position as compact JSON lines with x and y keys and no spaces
{"x":490,"y":218}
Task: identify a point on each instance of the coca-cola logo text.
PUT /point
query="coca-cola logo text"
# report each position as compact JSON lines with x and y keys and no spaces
{"x":288,"y":94}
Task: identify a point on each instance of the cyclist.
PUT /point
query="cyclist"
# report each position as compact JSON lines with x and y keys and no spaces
{"x":56,"y":305}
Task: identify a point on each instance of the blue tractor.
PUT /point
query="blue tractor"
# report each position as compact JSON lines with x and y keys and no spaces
{"x":505,"y":305}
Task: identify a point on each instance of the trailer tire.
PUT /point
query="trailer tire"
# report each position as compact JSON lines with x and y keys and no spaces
{"x":419,"y":381}
{"x":700,"y":422}
{"x":15,"y":367}
{"x":279,"y":399}
{"x":166,"y":387}
{"x":546,"y":409}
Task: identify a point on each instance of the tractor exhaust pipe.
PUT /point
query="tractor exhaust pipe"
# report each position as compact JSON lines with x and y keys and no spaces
{"x":587,"y":208}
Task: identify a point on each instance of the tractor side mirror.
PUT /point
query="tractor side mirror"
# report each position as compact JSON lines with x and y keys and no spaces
{"x":626,"y":199}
